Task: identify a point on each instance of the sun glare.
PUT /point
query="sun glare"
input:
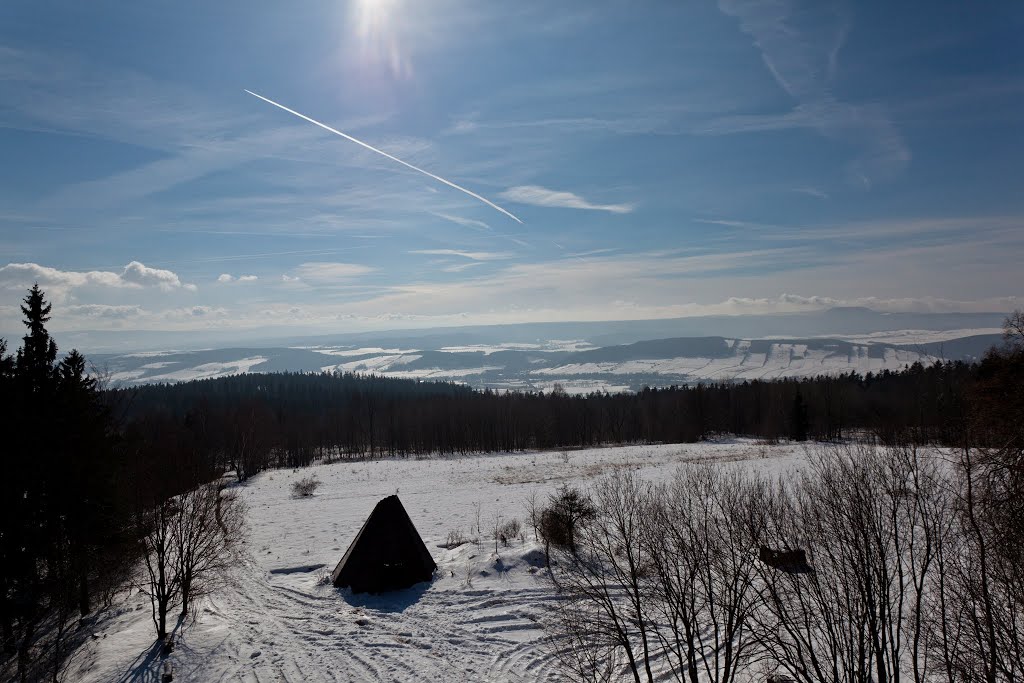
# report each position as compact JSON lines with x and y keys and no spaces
{"x":377,"y":29}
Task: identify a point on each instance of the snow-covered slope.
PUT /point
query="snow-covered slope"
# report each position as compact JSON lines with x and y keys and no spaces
{"x":479,"y":620}
{"x":575,"y":365}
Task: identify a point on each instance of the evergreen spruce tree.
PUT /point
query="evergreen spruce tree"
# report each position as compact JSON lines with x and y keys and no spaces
{"x":35,"y":360}
{"x":28,"y":468}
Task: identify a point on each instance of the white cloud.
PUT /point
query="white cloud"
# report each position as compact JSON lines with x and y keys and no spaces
{"x":227,"y":277}
{"x":324,"y":272}
{"x":103,"y":311}
{"x":136,"y":273}
{"x":193,"y":313}
{"x":24,"y":275}
{"x":59,"y":282}
{"x":542,"y":196}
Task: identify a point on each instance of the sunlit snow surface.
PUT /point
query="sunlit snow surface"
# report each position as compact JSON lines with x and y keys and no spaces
{"x":203,"y":371}
{"x":480,"y":619}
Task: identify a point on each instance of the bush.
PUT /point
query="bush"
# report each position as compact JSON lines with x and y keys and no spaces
{"x":455,"y":539}
{"x":567,"y":509}
{"x":509,"y":531}
{"x":305,"y":487}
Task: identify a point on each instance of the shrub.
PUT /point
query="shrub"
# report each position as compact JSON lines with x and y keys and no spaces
{"x":509,"y":530}
{"x":455,"y":539}
{"x":568,"y":508}
{"x":305,"y":487}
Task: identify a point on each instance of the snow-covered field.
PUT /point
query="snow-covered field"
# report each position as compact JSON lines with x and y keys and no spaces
{"x":780,"y":360}
{"x":478,"y":620}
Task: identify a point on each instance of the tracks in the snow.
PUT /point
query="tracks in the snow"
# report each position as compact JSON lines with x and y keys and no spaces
{"x":288,"y":628}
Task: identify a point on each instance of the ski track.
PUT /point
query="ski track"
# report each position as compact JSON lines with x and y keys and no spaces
{"x":470,"y":634}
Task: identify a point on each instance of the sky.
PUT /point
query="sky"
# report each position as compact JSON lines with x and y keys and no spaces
{"x":629,"y":161}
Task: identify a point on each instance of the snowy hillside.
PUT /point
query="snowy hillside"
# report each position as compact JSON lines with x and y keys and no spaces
{"x":479,"y":619}
{"x":577,"y":365}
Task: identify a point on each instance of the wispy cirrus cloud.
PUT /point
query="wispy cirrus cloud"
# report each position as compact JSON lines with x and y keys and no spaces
{"x":541,"y":196}
{"x":466,"y":222}
{"x":811,"y":192}
{"x":459,"y":267}
{"x":804,"y":66}
{"x":326,"y":273}
{"x":472,"y":255}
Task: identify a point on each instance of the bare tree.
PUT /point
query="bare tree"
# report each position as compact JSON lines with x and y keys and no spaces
{"x":1013,"y":327}
{"x":162,"y":584}
{"x":980,"y":634}
{"x":207,"y":537}
{"x":533,"y":512}
{"x":870,"y":522}
{"x":190,"y":544}
{"x":601,"y":571}
{"x":701,"y":535}
{"x":496,"y":529}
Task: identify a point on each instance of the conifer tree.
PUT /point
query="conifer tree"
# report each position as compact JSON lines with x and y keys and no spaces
{"x":31,"y":556}
{"x":36,"y":357}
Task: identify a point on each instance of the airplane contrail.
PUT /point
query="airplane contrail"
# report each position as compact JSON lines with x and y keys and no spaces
{"x":383,"y":153}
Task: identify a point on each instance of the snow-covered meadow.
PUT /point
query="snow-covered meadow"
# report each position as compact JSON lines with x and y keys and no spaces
{"x":478,"y":620}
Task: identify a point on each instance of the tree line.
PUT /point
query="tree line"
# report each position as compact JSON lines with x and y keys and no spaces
{"x":246,"y":423}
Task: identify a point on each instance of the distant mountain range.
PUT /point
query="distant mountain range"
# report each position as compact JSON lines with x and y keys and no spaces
{"x":578,"y":365}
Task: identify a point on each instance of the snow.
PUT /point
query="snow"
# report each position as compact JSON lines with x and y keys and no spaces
{"x":209,"y":370}
{"x":548,"y":346}
{"x":152,"y":354}
{"x":129,"y":375}
{"x":441,"y":373}
{"x":781,"y":360}
{"x":480,"y":619}
{"x":583,"y":386}
{"x":377,"y":364}
{"x":364,"y":351}
{"x":917,"y":336}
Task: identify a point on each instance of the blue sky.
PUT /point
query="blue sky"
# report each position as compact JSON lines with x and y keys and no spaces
{"x":666,"y":159}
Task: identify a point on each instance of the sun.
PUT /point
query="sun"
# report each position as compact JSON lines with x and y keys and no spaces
{"x":377,"y":29}
{"x":373,"y":16}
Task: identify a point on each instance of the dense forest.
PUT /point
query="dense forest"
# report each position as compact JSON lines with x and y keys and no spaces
{"x":96,"y":480}
{"x":246,"y":423}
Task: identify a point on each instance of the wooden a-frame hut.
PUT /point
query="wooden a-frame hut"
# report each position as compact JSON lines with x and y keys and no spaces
{"x":387,"y":553}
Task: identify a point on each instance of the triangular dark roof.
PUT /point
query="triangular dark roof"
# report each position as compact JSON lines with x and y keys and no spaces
{"x":387,"y":553}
